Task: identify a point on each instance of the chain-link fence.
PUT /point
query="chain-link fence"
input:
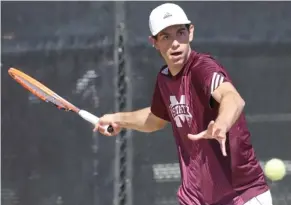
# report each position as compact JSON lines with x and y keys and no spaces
{"x":50,"y":157}
{"x":96,"y":54}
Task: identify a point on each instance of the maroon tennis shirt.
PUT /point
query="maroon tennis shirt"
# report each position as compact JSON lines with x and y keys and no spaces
{"x":208,"y":178}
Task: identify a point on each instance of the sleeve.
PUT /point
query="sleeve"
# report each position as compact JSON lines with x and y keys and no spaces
{"x":209,"y":76}
{"x":158,"y":107}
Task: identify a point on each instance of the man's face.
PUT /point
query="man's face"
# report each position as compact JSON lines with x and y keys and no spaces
{"x":173,"y":44}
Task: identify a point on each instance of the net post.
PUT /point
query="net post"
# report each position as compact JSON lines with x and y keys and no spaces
{"x":123,"y":148}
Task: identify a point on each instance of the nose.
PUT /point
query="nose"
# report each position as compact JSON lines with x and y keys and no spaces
{"x":175,"y":44}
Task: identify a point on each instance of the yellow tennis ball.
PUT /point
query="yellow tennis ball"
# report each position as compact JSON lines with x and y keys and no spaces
{"x":275,"y":169}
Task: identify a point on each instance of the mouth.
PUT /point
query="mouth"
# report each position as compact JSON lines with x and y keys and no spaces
{"x":176,"y":53}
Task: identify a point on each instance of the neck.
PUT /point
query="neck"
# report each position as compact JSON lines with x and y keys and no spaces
{"x":175,"y":69}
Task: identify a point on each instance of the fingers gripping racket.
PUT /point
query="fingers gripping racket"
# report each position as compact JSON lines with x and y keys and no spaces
{"x":47,"y":95}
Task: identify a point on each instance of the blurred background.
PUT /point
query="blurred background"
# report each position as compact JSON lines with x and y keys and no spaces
{"x":97,"y":55}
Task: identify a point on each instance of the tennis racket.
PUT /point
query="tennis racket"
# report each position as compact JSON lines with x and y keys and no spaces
{"x":49,"y":96}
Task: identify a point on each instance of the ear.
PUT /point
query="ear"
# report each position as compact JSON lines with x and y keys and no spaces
{"x":191,"y":33}
{"x":153,"y":42}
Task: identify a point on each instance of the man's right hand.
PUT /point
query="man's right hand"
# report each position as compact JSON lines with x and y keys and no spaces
{"x":106,"y":120}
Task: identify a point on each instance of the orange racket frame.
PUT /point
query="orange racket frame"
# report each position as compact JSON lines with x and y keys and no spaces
{"x":38,"y":89}
{"x":21,"y":77}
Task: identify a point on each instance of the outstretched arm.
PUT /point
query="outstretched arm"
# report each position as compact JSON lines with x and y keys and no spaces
{"x":230,"y":108}
{"x":215,"y":84}
{"x":142,"y":120}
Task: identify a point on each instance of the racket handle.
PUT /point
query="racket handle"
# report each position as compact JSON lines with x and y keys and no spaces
{"x":93,"y":119}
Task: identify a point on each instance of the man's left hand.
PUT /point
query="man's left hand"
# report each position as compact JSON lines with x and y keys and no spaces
{"x":214,"y":131}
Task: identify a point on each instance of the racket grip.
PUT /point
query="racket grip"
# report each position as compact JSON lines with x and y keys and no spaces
{"x":93,"y":119}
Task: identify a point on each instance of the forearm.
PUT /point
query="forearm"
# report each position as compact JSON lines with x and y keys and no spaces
{"x":138,"y":120}
{"x":230,"y":108}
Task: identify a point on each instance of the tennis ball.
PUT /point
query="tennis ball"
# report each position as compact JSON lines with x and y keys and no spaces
{"x":275,"y":169}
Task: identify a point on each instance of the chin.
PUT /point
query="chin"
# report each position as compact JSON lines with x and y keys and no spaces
{"x":179,"y":62}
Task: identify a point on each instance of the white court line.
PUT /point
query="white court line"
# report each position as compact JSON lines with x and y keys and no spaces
{"x":283,"y":117}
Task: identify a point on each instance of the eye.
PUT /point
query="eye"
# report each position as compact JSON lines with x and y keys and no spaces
{"x":181,"y":32}
{"x":165,"y":37}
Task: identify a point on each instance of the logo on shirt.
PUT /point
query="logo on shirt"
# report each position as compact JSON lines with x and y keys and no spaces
{"x":180,"y":111}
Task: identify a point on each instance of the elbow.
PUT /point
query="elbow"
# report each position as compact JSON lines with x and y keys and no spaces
{"x":160,"y":126}
{"x":154,"y":128}
{"x":235,"y":98}
{"x":147,"y":129}
{"x":241,"y":103}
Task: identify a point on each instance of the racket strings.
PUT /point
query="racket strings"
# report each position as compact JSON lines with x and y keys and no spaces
{"x":42,"y":94}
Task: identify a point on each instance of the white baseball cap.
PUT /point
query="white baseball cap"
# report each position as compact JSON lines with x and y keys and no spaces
{"x":166,"y":15}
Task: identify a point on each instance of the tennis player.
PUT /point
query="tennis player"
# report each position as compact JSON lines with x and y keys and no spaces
{"x":196,"y":95}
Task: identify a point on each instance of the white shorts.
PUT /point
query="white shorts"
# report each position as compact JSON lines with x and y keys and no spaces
{"x":262,"y":199}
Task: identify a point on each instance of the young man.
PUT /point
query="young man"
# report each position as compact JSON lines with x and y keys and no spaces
{"x":195,"y":94}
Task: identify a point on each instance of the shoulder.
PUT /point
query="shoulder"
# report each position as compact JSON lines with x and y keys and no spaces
{"x":205,"y":65}
{"x":203,"y":61}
